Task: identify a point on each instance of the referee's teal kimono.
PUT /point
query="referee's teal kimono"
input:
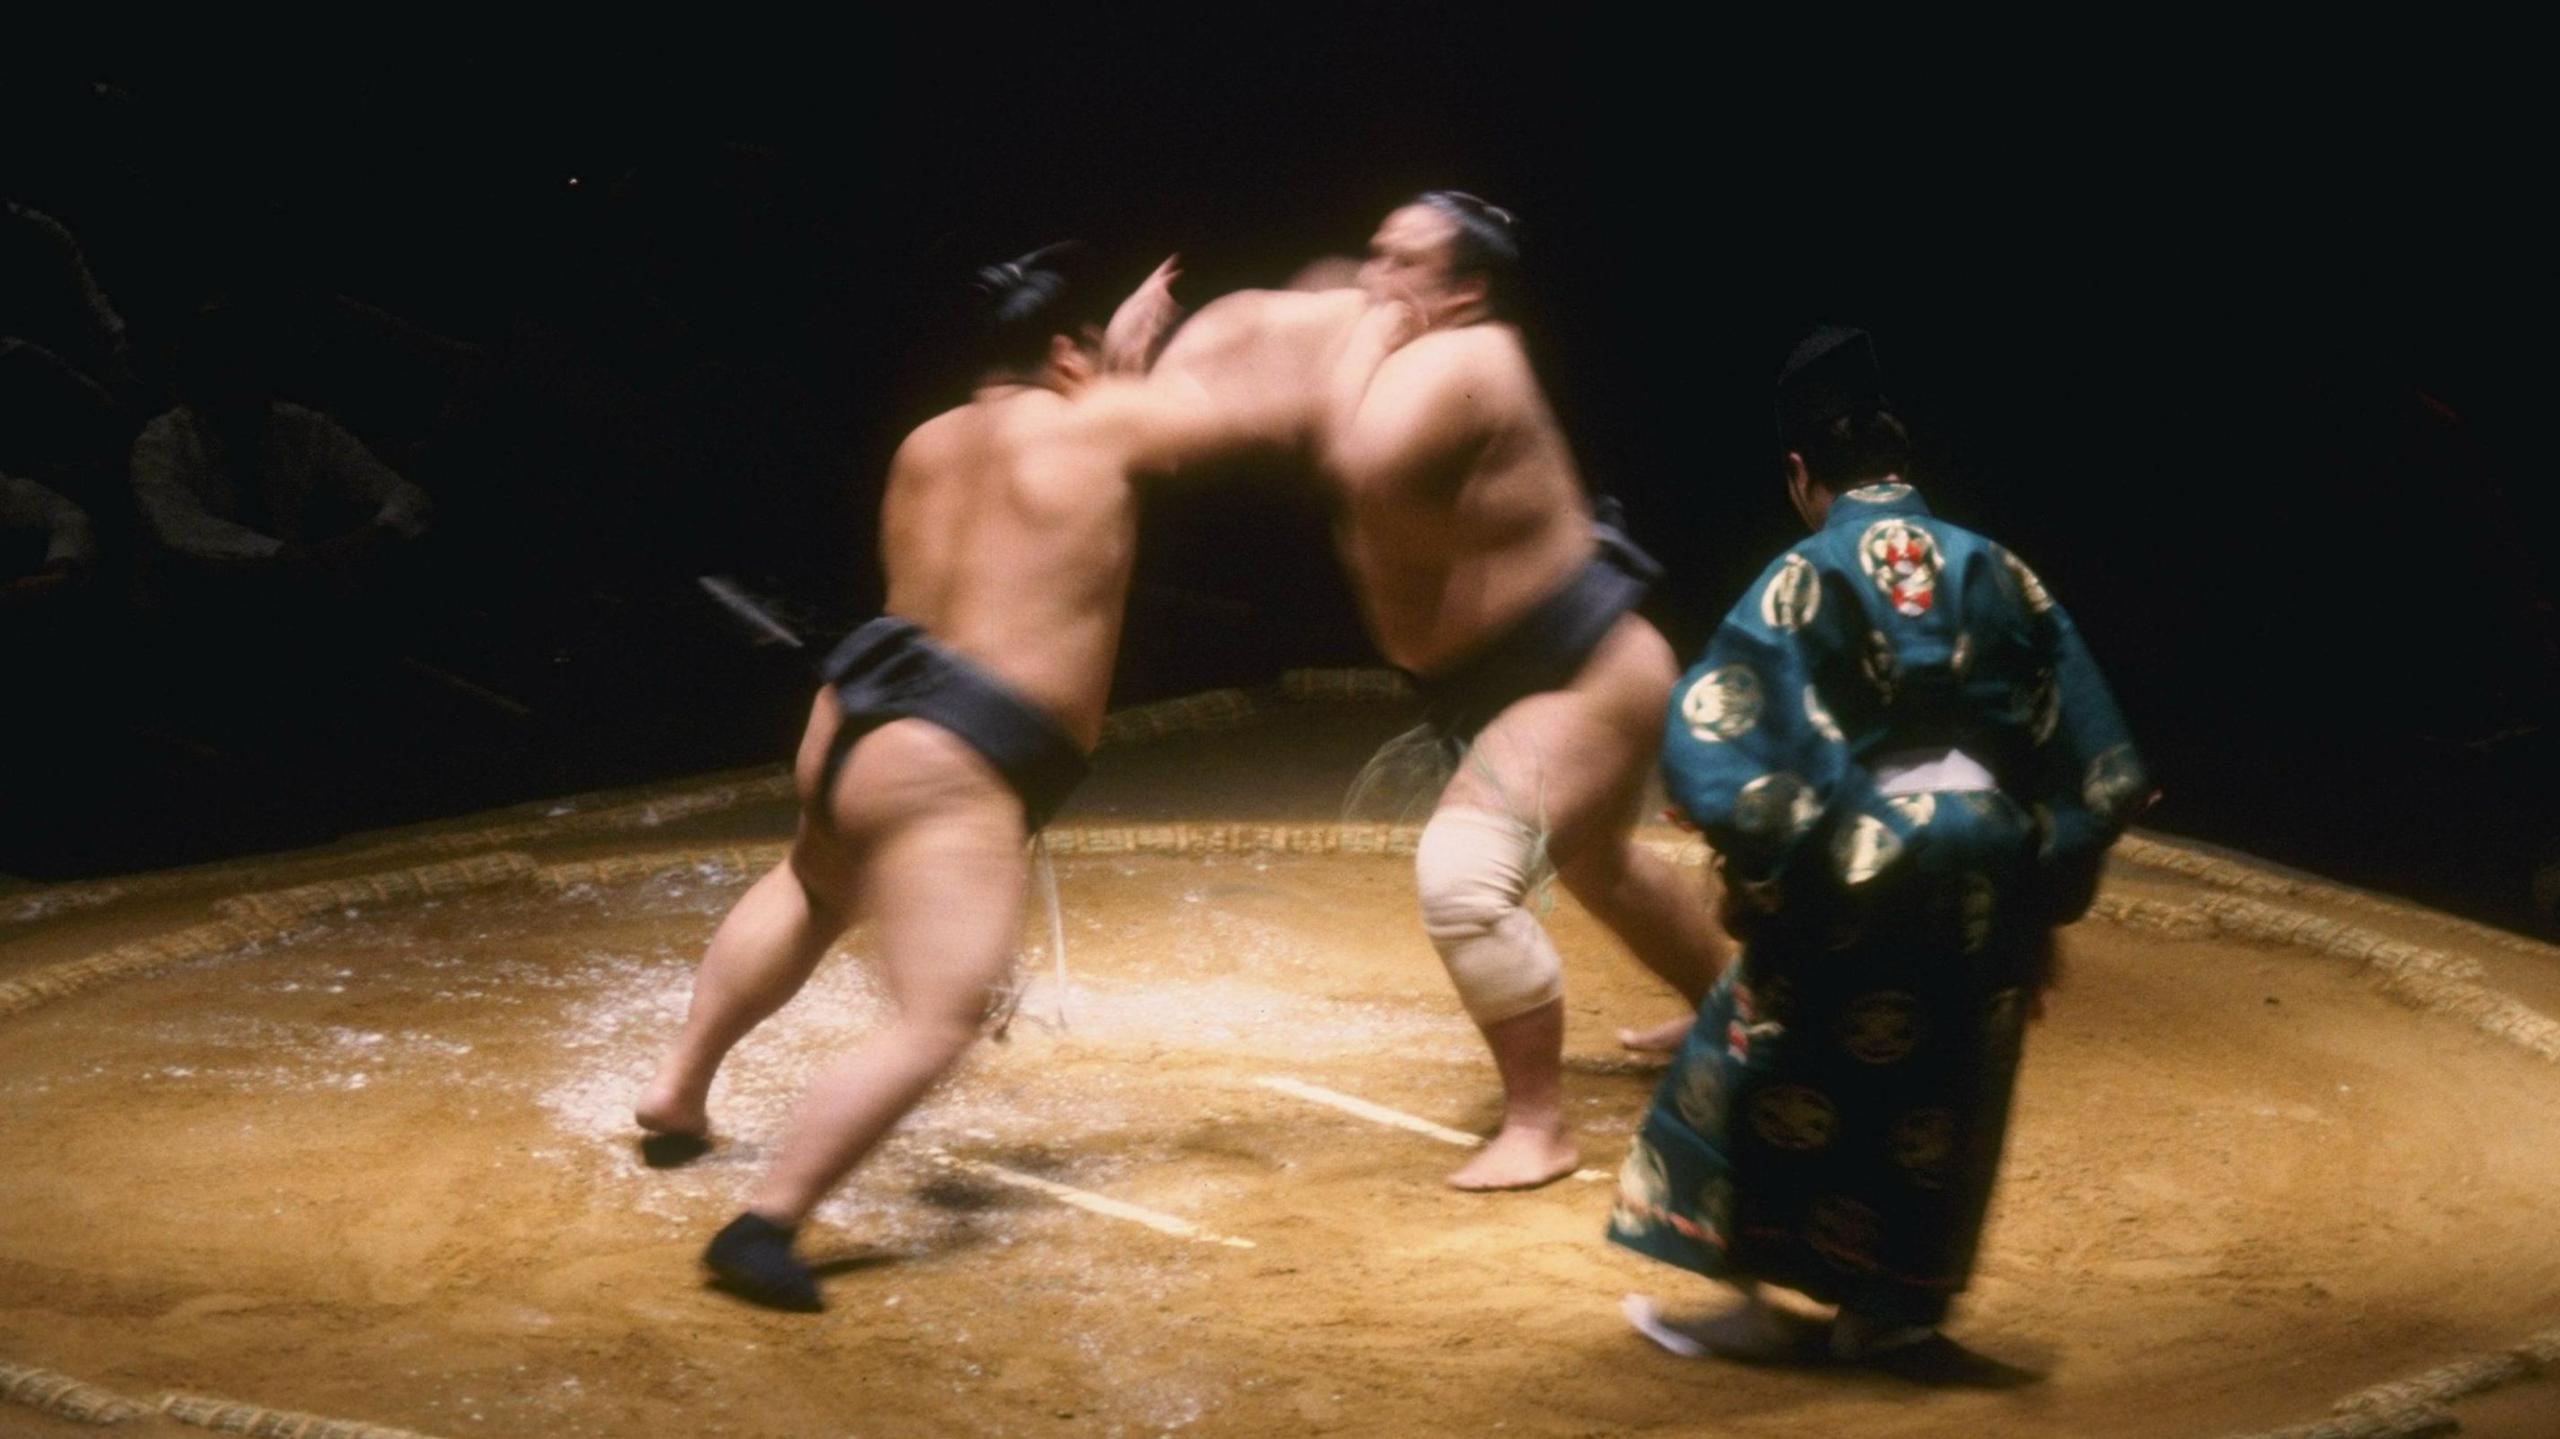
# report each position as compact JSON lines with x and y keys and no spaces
{"x":1911,"y":770}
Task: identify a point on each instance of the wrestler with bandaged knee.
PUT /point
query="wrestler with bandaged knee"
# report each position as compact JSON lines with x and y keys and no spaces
{"x":948,"y":731}
{"x":1483,"y":570}
{"x":1472,"y":872}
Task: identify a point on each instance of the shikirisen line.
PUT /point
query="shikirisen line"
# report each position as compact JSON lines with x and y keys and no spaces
{"x":1393,"y":1118}
{"x":1090,"y":1202}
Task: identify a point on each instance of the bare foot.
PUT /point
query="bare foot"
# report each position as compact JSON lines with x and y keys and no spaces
{"x":1520,"y":1157}
{"x":675,"y":1131}
{"x":662,"y":1110}
{"x":1663,"y":1038}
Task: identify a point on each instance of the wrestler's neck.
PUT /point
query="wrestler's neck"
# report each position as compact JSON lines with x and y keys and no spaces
{"x":1459,"y":314}
{"x":1049,"y":381}
{"x":1812,"y":497}
{"x":1066,"y":372}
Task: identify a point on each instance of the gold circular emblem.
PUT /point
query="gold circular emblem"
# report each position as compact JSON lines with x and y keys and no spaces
{"x":1863,"y":848}
{"x":1820,"y":718}
{"x":2115,"y":778}
{"x":1715,"y":1205}
{"x":1883,"y":669}
{"x":1700,"y":1098}
{"x":1793,"y":1116}
{"x":1793,"y":595}
{"x":1977,"y":910}
{"x":1844,"y":1231}
{"x":2030,"y":589}
{"x":2039,"y":706}
{"x":1924,"y":1144}
{"x":1643,"y":1189}
{"x":1723,"y":705}
{"x":1776,"y":805}
{"x":1882,"y":1028}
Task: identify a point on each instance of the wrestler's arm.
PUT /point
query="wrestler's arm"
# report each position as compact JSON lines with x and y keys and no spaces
{"x":1264,"y":351}
{"x":1208,"y":343}
{"x":1166,"y":423}
{"x":1425,"y":407}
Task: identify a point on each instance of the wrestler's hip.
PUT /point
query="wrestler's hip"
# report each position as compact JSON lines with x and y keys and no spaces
{"x":1618,"y":690}
{"x":897,"y":771}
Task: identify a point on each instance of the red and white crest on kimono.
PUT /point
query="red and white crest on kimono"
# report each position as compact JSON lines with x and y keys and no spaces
{"x":1903,"y":560}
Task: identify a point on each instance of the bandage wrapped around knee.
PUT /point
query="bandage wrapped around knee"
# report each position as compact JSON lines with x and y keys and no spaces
{"x":1472,"y":872}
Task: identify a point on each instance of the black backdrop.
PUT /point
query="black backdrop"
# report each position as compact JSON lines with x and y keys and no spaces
{"x":2233,"y":337}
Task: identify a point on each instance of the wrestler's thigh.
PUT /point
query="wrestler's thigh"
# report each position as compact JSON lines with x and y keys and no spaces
{"x":1627,"y":688}
{"x":1551,"y":761}
{"x":946,"y":898}
{"x":943,"y":872}
{"x":1578,"y":758}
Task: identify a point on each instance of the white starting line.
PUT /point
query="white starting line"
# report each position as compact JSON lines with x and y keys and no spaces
{"x":1090,"y":1202}
{"x":1181,"y":1228}
{"x":1353,"y":1104}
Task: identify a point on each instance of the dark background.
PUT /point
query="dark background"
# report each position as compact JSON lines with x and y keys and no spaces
{"x":2236,"y":338}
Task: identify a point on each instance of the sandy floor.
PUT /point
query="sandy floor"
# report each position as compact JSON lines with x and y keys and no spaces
{"x":377,"y":1167}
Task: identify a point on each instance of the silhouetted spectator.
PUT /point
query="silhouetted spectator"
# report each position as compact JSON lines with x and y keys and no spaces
{"x":57,"y":425}
{"x":46,"y":542}
{"x":233,"y":478}
{"x":49,"y":299}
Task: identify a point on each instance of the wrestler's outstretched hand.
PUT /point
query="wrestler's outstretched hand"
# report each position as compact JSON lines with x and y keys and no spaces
{"x":1389,"y":324}
{"x":1139,"y":327}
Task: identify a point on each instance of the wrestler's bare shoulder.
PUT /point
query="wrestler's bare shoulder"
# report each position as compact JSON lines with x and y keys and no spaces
{"x":989,"y":432}
{"x":1248,"y":307}
{"x":1479,"y":371}
{"x":1480,"y":354}
{"x":1259,"y":317}
{"x":932,"y":445}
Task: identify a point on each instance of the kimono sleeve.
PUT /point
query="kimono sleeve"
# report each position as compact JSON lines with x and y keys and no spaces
{"x":2089,"y":782}
{"x":1750,"y":755}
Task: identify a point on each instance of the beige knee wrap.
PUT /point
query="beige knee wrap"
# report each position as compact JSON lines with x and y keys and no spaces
{"x":1472,"y":872}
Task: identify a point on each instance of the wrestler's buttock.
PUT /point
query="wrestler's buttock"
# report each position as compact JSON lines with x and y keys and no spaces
{"x":1630,"y":673}
{"x":896,"y":772}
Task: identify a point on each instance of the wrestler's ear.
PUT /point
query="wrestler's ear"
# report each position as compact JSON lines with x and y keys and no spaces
{"x":1472,"y":293}
{"x":1071,"y":360}
{"x":1800,"y":491}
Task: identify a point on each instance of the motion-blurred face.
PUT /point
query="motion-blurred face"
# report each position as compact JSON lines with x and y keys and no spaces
{"x":1409,"y":261}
